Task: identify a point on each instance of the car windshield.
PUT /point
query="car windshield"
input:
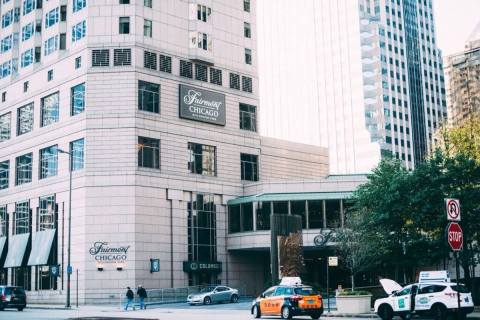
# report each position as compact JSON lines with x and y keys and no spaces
{"x":460,"y":288}
{"x":207,"y":289}
{"x":306,"y":291}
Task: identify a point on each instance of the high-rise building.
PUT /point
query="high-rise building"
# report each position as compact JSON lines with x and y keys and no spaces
{"x":155,"y":103}
{"x":462,"y":71}
{"x":361,"y":77}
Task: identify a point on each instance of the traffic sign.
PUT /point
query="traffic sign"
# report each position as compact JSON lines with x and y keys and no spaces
{"x":453,"y":209}
{"x":455,"y":236}
{"x":333,"y":261}
{"x":69,"y":269}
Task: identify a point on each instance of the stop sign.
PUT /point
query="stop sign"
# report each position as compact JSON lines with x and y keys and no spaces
{"x":455,"y":236}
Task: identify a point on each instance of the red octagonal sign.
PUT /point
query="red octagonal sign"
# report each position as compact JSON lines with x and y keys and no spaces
{"x":455,"y":236}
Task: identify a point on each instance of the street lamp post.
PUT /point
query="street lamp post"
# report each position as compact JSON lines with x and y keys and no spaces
{"x":69,"y":267}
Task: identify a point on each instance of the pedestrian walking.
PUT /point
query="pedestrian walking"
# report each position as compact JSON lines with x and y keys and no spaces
{"x":129,"y":296}
{"x":142,"y":294}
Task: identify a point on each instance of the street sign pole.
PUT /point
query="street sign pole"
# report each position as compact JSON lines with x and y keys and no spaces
{"x":328,"y":286}
{"x":457,"y":271}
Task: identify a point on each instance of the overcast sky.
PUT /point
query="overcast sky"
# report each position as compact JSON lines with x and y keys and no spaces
{"x":455,"y":21}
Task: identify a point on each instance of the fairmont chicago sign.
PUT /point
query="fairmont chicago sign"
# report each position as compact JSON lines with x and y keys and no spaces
{"x":201,"y":105}
{"x":102,"y":252}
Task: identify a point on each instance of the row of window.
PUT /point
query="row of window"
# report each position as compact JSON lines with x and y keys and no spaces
{"x":48,"y":164}
{"x":49,"y":112}
{"x":316,"y":214}
{"x":30,"y":5}
{"x":149,"y":100}
{"x":202,"y":159}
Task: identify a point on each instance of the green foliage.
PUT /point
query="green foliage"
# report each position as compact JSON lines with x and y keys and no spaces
{"x":463,"y":138}
{"x":402,"y":213}
{"x":354,"y":293}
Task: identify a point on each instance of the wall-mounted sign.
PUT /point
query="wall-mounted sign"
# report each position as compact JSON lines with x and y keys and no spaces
{"x":201,"y":105}
{"x":154,"y":265}
{"x":195,"y":266}
{"x":104,"y":253}
{"x":54,"y":270}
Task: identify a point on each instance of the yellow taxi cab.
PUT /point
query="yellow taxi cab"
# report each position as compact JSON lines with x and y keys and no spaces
{"x":288,"y":301}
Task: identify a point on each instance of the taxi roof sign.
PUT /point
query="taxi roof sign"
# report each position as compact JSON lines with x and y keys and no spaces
{"x":291,"y":281}
{"x":433,"y":276}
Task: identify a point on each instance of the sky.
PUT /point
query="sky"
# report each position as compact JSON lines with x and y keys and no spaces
{"x":455,"y":21}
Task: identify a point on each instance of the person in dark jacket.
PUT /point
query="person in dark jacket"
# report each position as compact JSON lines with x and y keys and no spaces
{"x":142,"y":294}
{"x":129,"y":296}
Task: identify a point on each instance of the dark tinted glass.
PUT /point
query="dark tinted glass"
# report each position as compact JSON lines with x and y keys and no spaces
{"x":306,"y":291}
{"x":461,"y":288}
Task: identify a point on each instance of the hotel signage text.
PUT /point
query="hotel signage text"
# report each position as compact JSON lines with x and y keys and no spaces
{"x":194,"y":266}
{"x":102,"y":252}
{"x":202,"y":105}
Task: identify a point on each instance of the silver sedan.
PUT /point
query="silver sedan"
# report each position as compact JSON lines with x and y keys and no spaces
{"x":209,"y":295}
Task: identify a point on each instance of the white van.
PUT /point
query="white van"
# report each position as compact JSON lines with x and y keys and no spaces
{"x":435,"y":298}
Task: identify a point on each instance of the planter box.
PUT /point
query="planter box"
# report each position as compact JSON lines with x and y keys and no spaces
{"x":354,"y":304}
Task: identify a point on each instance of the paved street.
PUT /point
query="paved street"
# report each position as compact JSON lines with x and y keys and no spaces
{"x":229,"y":311}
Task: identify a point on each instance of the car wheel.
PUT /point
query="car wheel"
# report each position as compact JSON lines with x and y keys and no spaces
{"x":315,"y":316}
{"x":406,"y":316}
{"x":256,"y":312}
{"x":207,"y":300}
{"x":439,"y":312}
{"x":385,"y":312}
{"x":234,"y":298}
{"x":20,"y":308}
{"x":286,"y":313}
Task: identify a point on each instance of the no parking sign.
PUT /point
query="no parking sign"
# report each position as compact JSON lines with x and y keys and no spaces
{"x":453,"y":209}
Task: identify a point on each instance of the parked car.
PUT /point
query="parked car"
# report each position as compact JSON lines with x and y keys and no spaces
{"x":209,"y":295}
{"x":432,"y":298}
{"x":288,"y":301}
{"x":12,"y":297}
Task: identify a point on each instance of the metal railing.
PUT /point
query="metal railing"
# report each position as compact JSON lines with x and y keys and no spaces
{"x":171,"y":295}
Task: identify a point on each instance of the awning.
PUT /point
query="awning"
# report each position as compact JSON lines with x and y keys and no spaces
{"x":291,"y":197}
{"x":16,"y":250}
{"x":41,"y":245}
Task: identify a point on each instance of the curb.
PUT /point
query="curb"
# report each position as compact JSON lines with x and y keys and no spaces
{"x":49,"y":308}
{"x":352,"y":315}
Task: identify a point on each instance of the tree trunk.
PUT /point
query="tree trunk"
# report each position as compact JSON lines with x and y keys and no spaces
{"x":353,"y":281}
{"x":465,"y":262}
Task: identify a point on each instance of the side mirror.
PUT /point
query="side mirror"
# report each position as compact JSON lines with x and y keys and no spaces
{"x":262,"y":296}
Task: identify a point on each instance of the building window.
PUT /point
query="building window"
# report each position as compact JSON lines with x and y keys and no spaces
{"x":332,"y":208}
{"x":148,"y":96}
{"x":28,"y":6}
{"x":77,"y":102}
{"x":79,"y":5}
{"x":48,"y":162}
{"x":49,"y":75}
{"x":147,"y":28}
{"x":165,"y":63}
{"x":7,"y":18}
{"x":50,"y":45}
{"x":264,"y":210}
{"x":246,"y":84}
{"x":202,"y":41}
{"x":202,"y":228}
{"x":201,"y":72}
{"x":5,"y":126}
{"x":249,"y":167}
{"x":202,"y":159}
{"x":315,"y":214}
{"x":78,"y":62}
{"x":25,"y":86}
{"x":186,"y":69}
{"x":124,"y":25}
{"x":100,"y":58}
{"x":28,"y":31}
{"x":4,"y":174}
{"x":23,"y":168}
{"x":240,"y":217}
{"x":49,"y":111}
{"x":3,"y":221}
{"x":46,"y":213}
{"x":25,"y":119}
{"x":26,"y":58}
{"x":248,"y":56}
{"x":77,"y":150}
{"x":216,"y":76}
{"x":150,"y":60}
{"x":247,"y":30}
{"x":234,"y":81}
{"x":203,"y":13}
{"x":148,"y":153}
{"x":79,"y":31}
{"x":4,"y":96}
{"x":22,"y":218}
{"x":147,"y":3}
{"x":52,"y":17}
{"x":246,"y":5}
{"x":124,"y":1}
{"x":122,"y":57}
{"x":248,"y":117}
{"x":7,"y":42}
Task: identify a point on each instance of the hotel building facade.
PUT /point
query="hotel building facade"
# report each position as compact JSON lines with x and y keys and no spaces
{"x":153,"y":107}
